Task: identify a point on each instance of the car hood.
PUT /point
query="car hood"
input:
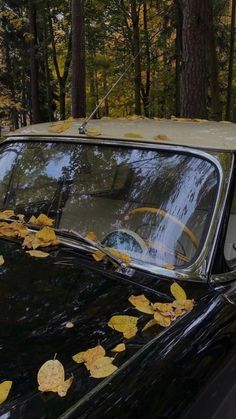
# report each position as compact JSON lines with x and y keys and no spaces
{"x":37,"y":299}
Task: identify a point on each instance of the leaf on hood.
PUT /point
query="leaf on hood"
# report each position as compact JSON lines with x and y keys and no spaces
{"x":186,"y":305}
{"x":149,"y":324}
{"x":90,"y":355}
{"x":69,"y":325}
{"x":164,"y":308}
{"x":102,"y":367}
{"x":119,"y":348}
{"x":4,"y":215}
{"x":124,"y":324}
{"x":5,"y":388}
{"x":2,"y":261}
{"x":51,"y":377}
{"x":37,"y":254}
{"x":99,"y":256}
{"x":163,"y":321}
{"x":141,"y":303}
{"x":178,"y":293}
{"x":41,"y":221}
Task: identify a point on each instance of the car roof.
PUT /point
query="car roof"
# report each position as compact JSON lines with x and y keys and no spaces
{"x":184,"y":132}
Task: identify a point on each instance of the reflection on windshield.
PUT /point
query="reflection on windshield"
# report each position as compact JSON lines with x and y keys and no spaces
{"x":153,"y":205}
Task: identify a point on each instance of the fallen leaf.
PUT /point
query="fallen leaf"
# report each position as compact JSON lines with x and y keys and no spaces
{"x":169,"y":267}
{"x":90,"y":355}
{"x":141,"y":303}
{"x":162,"y":320}
{"x":4,"y":215}
{"x":43,"y":238}
{"x":51,"y":375}
{"x":99,"y":256}
{"x":59,"y":127}
{"x":5,"y":388}
{"x":2,"y":261}
{"x":63,"y":388}
{"x":92,"y":236}
{"x":93,"y":132}
{"x":163,"y":307}
{"x":41,"y":221}
{"x":162,"y":137}
{"x":37,"y":254}
{"x":178,"y":292}
{"x":133,"y":135}
{"x":21,"y":217}
{"x":13,"y":230}
{"x":119,"y":348}
{"x":149,"y":324}
{"x":124,"y":324}
{"x":102,"y":367}
{"x":69,"y":325}
{"x":79,"y":358}
{"x":183,"y":305}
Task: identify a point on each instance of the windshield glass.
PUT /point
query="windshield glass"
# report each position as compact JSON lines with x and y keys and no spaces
{"x":153,"y":205}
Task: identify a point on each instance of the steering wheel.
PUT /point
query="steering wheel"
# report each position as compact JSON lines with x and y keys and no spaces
{"x":139,"y":242}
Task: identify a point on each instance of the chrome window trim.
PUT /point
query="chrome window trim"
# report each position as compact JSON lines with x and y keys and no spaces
{"x":199,"y":270}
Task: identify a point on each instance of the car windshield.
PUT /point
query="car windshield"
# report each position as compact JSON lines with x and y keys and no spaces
{"x":154,"y":205}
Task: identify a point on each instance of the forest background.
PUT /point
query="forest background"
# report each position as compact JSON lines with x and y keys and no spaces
{"x":59,"y":58}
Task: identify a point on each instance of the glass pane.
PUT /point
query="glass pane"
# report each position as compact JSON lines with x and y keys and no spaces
{"x":153,"y":205}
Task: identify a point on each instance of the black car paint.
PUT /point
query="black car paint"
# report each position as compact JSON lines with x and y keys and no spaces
{"x":162,"y":372}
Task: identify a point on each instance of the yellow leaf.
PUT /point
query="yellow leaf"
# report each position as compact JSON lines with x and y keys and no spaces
{"x":163,"y":307}
{"x":162,"y":320}
{"x":149,"y":324}
{"x":41,"y":221}
{"x":162,"y":137}
{"x":2,"y":261}
{"x":92,"y":236}
{"x":169,"y":267}
{"x":59,"y":127}
{"x":186,"y":305}
{"x":69,"y":325}
{"x":93,"y":132}
{"x":99,"y":256}
{"x":44,"y":238}
{"x":119,"y":348}
{"x":79,"y":358}
{"x":13,"y":230}
{"x":124,"y":324}
{"x":51,"y":375}
{"x":5,"y":388}
{"x":133,"y":135}
{"x":102,"y":367}
{"x":141,"y":303}
{"x":178,"y":292}
{"x":63,"y":388}
{"x":20,"y":217}
{"x":37,"y":254}
{"x":4,"y":215}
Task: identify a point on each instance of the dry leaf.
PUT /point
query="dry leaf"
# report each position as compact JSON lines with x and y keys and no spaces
{"x":162,"y":320}
{"x":149,"y":324}
{"x":37,"y":254}
{"x":141,"y":303}
{"x":51,"y":375}
{"x":169,"y":267}
{"x":92,"y":236}
{"x":63,"y":388}
{"x":133,"y":135}
{"x":162,"y":137}
{"x":102,"y":367}
{"x":41,"y":221}
{"x":21,"y":217}
{"x":99,"y":256}
{"x":69,"y":325}
{"x":4,"y":215}
{"x":59,"y":127}
{"x":119,"y":348}
{"x":44,"y":238}
{"x":5,"y":388}
{"x":163,"y":307}
{"x":2,"y":261}
{"x":124,"y":324}
{"x":93,"y":132}
{"x":186,"y":305}
{"x":79,"y":358}
{"x":13,"y":230}
{"x":90,"y":355}
{"x":178,"y":292}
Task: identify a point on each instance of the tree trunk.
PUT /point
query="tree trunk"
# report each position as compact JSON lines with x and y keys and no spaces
{"x":195,"y":51}
{"x":137,"y":61}
{"x":231,"y":64}
{"x":215,"y":88}
{"x":146,"y":89}
{"x":178,"y":52}
{"x":78,"y":60}
{"x":34,"y":67}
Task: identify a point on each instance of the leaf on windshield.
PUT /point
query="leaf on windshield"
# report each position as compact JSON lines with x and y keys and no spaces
{"x":51,"y":377}
{"x":178,"y":292}
{"x":13,"y":230}
{"x":2,"y":261}
{"x":4,"y":215}
{"x":102,"y":367}
{"x":169,"y":267}
{"x":5,"y":388}
{"x":92,"y":236}
{"x":37,"y":254}
{"x":141,"y":303}
{"x":99,"y":256}
{"x":90,"y":355}
{"x":44,"y":238}
{"x":119,"y":348}
{"x":124,"y":324}
{"x":41,"y":221}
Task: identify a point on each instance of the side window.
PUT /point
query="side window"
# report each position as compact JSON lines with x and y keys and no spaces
{"x":230,"y":241}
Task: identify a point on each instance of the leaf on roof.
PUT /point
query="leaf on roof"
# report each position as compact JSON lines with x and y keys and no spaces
{"x":162,"y":137}
{"x":119,"y":348}
{"x":133,"y":135}
{"x":41,"y":221}
{"x":37,"y":254}
{"x":141,"y":303}
{"x":178,"y":292}
{"x":92,"y":132}
{"x":124,"y":324}
{"x":51,"y":377}
{"x":59,"y":127}
{"x":5,"y":388}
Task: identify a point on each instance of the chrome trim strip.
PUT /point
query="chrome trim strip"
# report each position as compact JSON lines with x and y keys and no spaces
{"x":223,"y":161}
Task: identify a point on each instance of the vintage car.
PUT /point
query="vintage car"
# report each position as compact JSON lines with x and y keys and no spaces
{"x":118,"y":276}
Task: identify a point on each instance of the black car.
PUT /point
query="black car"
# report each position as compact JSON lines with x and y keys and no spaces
{"x":118,"y":221}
